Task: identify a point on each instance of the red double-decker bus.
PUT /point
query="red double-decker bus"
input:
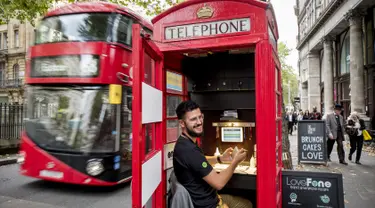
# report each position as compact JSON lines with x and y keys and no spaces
{"x":78,"y":127}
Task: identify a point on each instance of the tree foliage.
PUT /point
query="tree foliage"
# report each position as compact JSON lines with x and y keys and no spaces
{"x":22,"y":9}
{"x":152,"y":7}
{"x":29,"y":10}
{"x":287,"y":74}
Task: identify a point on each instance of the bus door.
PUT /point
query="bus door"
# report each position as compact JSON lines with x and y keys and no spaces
{"x":148,"y":113}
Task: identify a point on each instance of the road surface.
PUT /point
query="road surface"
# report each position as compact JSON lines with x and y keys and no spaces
{"x":17,"y":191}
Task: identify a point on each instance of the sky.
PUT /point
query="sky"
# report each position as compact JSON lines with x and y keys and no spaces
{"x":287,"y":25}
{"x":288,"y":29}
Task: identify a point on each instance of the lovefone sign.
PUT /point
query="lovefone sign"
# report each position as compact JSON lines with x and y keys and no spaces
{"x":207,"y":29}
{"x":307,"y":189}
{"x":308,"y":184}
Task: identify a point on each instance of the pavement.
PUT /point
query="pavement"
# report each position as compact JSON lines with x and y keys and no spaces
{"x":18,"y":191}
{"x":10,"y":159}
{"x":359,"y":180}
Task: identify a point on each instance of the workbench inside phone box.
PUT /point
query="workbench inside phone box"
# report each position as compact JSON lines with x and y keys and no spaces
{"x":223,"y":84}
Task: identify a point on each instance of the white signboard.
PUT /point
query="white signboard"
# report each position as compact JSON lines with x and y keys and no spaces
{"x":46,"y":67}
{"x":168,"y":155}
{"x":207,"y":29}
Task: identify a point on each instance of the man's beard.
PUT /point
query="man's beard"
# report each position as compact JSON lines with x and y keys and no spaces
{"x":192,"y":133}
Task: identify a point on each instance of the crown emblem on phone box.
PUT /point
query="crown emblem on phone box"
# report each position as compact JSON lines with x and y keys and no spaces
{"x":205,"y":12}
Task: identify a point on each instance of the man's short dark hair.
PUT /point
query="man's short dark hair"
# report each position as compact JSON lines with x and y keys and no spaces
{"x":184,"y":107}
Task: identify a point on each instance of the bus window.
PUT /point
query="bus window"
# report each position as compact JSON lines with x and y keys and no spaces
{"x":73,"y":27}
{"x":123,"y":34}
{"x":126,"y":130}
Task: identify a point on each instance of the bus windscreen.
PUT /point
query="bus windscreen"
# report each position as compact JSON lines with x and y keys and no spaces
{"x":73,"y":27}
{"x":72,"y":119}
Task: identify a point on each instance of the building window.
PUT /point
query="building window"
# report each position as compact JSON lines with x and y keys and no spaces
{"x":321,"y":66}
{"x":319,"y":8}
{"x":345,"y":90}
{"x":334,"y":58}
{"x":5,"y":40}
{"x":345,"y":55}
{"x":322,"y":101}
{"x":369,"y":43}
{"x":16,"y":39}
{"x":33,"y":37}
{"x":336,"y":92}
{"x":16,"y":72}
{"x":2,"y":72}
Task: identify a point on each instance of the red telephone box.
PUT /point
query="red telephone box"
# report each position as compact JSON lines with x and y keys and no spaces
{"x":223,"y":55}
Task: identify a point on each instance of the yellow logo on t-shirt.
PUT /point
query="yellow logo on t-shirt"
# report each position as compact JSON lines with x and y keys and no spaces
{"x":204,"y":164}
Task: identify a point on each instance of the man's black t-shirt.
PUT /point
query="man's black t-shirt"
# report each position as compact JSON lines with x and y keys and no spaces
{"x":191,"y":166}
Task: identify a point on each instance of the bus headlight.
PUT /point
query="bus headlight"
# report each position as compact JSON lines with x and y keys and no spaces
{"x":94,"y":167}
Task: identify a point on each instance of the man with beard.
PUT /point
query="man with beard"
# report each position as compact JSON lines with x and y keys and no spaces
{"x":193,"y":169}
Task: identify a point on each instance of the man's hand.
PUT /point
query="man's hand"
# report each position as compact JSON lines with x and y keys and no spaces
{"x":227,"y":155}
{"x":330,"y":136}
{"x":218,"y":181}
{"x":240,"y":156}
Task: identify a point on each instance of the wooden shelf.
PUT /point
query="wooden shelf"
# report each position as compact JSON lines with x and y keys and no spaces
{"x":233,"y":124}
{"x":221,"y":90}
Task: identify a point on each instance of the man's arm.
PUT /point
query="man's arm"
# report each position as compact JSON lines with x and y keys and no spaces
{"x":328,"y":126}
{"x":225,"y":157}
{"x":219,"y":180}
{"x":212,"y":159}
{"x":198,"y":163}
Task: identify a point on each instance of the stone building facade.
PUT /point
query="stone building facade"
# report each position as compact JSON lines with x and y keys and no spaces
{"x":15,"y":39}
{"x":336,"y":55}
